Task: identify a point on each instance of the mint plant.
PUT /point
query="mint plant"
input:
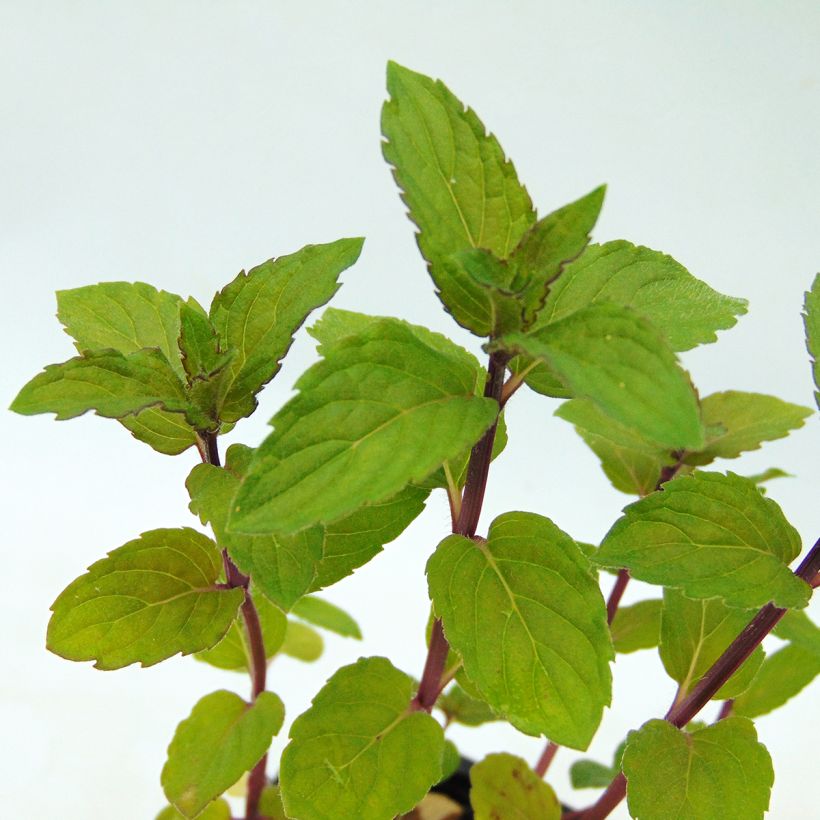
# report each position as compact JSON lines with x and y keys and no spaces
{"x":392,"y":412}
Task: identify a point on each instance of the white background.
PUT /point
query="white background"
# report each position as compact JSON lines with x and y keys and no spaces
{"x":176,"y":143}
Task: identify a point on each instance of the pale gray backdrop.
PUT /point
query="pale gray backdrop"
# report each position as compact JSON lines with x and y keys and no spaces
{"x":178,"y":142}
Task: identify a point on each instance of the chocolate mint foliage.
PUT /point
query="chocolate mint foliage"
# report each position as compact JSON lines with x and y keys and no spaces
{"x":391,"y":412}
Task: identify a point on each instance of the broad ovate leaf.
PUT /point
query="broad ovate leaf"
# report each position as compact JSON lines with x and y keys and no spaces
{"x":360,"y":751}
{"x":694,"y":634}
{"x":106,"y":381}
{"x":740,"y":421}
{"x":220,"y":740}
{"x":130,"y":316}
{"x":616,"y":359}
{"x":286,"y":567}
{"x":146,"y":601}
{"x":709,"y":535}
{"x":123,"y":316}
{"x":383,"y":410}
{"x":530,"y":586}
{"x":503,"y":785}
{"x":459,"y":188}
{"x":259,"y":311}
{"x":713,"y":773}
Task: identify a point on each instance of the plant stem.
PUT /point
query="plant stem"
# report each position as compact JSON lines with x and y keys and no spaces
{"x":433,"y":679}
{"x":430,"y":686}
{"x":615,"y":595}
{"x":209,"y":450}
{"x":721,"y":670}
{"x":479,"y":466}
{"x":544,"y":761}
{"x":725,"y":709}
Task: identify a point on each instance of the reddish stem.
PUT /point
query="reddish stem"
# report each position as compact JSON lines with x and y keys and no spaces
{"x":617,"y":592}
{"x":478,"y":468}
{"x":208,"y":449}
{"x":546,"y":758}
{"x":430,"y":686}
{"x":721,"y":670}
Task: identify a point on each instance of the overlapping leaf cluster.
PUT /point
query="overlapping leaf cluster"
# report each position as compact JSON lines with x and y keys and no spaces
{"x":390,"y":413}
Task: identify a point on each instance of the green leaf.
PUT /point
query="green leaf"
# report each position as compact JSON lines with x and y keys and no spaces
{"x":148,"y":600}
{"x":799,"y":629}
{"x":359,"y":751}
{"x":352,"y":541}
{"x":767,"y":475}
{"x":554,"y":241}
{"x":528,"y":584}
{"x":233,"y":651}
{"x":337,"y":325}
{"x":811,"y":321}
{"x":694,"y":634}
{"x":631,"y":462}
{"x":223,"y":738}
{"x":130,"y":316}
{"x":460,"y":189}
{"x":450,"y":760}
{"x":302,"y":642}
{"x":286,"y":567}
{"x":198,"y":344}
{"x":270,"y":804}
{"x":710,"y":535}
{"x":687,"y":311}
{"x":282,"y":567}
{"x":506,"y":297}
{"x":459,"y":707}
{"x":207,"y":368}
{"x":123,"y":316}
{"x":711,"y":774}
{"x":258,"y":313}
{"x":636,"y":627}
{"x":784,"y":674}
{"x":381,"y":411}
{"x":503,"y":785}
{"x":589,"y":774}
{"x":105,"y":381}
{"x":616,"y":359}
{"x":218,"y":810}
{"x":165,"y":432}
{"x":743,"y":421}
{"x":481,"y":277}
{"x":322,"y":613}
